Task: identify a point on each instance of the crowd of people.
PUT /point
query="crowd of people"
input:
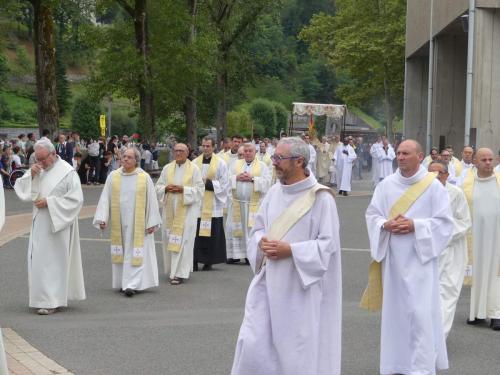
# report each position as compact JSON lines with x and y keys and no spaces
{"x":432,"y":224}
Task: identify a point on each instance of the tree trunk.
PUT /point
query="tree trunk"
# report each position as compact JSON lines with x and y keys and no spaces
{"x":146,"y":97}
{"x":388,"y":112}
{"x":190,"y":102}
{"x":45,"y":67}
{"x":222,"y":88}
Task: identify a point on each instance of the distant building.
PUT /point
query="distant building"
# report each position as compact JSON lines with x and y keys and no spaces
{"x":450,"y":28}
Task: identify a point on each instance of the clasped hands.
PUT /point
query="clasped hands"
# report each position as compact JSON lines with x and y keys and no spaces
{"x":245,"y":177}
{"x":103,"y":226}
{"x":399,"y":225}
{"x":174,"y":188}
{"x":275,"y":249}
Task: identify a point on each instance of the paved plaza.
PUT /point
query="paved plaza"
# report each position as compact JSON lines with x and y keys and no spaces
{"x":189,"y":329}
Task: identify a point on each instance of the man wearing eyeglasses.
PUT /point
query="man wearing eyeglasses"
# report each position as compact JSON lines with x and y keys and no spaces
{"x":292,"y":322}
{"x":249,"y":179}
{"x":54,"y":259}
{"x":446,"y":158}
{"x":453,"y":259}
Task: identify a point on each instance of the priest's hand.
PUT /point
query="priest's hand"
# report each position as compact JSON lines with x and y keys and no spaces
{"x":150,"y":230}
{"x":245,"y":177}
{"x":40,"y":203}
{"x":35,"y":169}
{"x":399,"y":225}
{"x":275,"y":249}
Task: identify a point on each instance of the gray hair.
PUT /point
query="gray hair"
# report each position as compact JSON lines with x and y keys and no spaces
{"x":445,"y":166}
{"x":46,"y":144}
{"x":298,"y":148}
{"x":137,"y":154}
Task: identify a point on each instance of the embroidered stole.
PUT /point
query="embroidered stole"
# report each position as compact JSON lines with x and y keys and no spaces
{"x":288,"y":218}
{"x":139,"y":219}
{"x":175,"y":220}
{"x":208,"y":196}
{"x":372,"y":296}
{"x":468,"y":188}
{"x":254,"y":200}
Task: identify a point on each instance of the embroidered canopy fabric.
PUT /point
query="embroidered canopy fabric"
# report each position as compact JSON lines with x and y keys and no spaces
{"x":328,"y":110}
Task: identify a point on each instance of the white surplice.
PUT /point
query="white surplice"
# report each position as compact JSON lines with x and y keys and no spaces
{"x":3,"y":360}
{"x":323,"y":161}
{"x":453,"y":259}
{"x":485,"y":292}
{"x":236,"y":247}
{"x":180,"y":264}
{"x":375,"y":164}
{"x":344,"y":166}
{"x":412,"y":338}
{"x":385,"y":160}
{"x":127,"y":276}
{"x":292,"y":323}
{"x":55,"y":272}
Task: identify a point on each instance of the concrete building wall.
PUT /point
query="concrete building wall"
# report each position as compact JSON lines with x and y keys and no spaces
{"x":486,"y":90}
{"x":418,"y":17}
{"x":417,"y":71}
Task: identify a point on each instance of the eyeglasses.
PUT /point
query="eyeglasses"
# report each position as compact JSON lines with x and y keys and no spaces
{"x":279,"y":158}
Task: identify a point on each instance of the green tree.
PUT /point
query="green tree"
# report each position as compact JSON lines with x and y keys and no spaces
{"x":4,"y":70}
{"x":85,"y":117}
{"x":63,"y":90}
{"x":263,"y":114}
{"x":365,"y":40}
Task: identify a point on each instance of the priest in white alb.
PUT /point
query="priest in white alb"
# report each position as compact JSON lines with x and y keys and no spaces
{"x":482,"y":189}
{"x":375,"y":165}
{"x":128,"y":202}
{"x":55,"y":273}
{"x":180,"y":192}
{"x":453,"y":259}
{"x":249,"y":181}
{"x":210,"y":242}
{"x":344,"y":158}
{"x":386,"y":155}
{"x":409,"y":224}
{"x":324,"y":159}
{"x":293,"y":310}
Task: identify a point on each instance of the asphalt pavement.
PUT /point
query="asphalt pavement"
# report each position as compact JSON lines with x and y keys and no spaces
{"x":192,"y":328}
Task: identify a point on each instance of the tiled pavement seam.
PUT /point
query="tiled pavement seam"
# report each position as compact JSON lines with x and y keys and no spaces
{"x":22,"y":358}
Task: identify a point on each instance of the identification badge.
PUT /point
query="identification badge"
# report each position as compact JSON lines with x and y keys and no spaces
{"x":206,"y":225}
{"x":116,"y":250}
{"x":175,"y":239}
{"x":468,"y":271}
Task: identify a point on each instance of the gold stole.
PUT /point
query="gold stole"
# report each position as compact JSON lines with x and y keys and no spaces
{"x":208,"y":197}
{"x":372,"y":296}
{"x":458,"y":167}
{"x":225,"y":156}
{"x":292,"y":215}
{"x":254,"y":200}
{"x":175,"y":220}
{"x":139,"y":219}
{"x":468,"y":188}
{"x":266,"y":159}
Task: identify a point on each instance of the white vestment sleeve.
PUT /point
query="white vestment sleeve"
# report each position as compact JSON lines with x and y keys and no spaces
{"x":432,"y":235}
{"x":153,"y":217}
{"x":194,"y":194}
{"x":160,"y":186}
{"x":221,"y":182}
{"x":375,"y":218}
{"x":102,"y":211}
{"x":64,"y":210}
{"x":263,"y":183}
{"x":312,"y":258}
{"x":352,"y":154}
{"x":26,"y":187}
{"x":461,"y":217}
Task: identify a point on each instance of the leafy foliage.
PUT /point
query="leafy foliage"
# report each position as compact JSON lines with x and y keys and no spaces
{"x":85,"y":117}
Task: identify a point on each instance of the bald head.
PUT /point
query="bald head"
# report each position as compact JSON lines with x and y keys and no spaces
{"x":409,"y":156}
{"x":414,"y":145}
{"x":484,"y":162}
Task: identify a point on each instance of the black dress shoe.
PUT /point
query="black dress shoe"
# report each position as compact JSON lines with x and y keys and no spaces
{"x":195,"y":267}
{"x":495,"y":324}
{"x":341,"y":192}
{"x":129,"y":292}
{"x":475,"y":322}
{"x":247,"y":262}
{"x":207,"y":267}
{"x":345,"y":193}
{"x":232,"y":261}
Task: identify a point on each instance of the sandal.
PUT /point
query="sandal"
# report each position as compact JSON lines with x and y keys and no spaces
{"x":46,"y":311}
{"x":176,"y":281}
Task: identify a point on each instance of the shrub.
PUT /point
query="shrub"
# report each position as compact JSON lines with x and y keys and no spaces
{"x":85,"y":117}
{"x":263,"y":113}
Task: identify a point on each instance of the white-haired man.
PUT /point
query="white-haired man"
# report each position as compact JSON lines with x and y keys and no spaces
{"x":54,"y":258}
{"x":128,"y":201}
{"x":292,"y":322}
{"x":249,"y":181}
